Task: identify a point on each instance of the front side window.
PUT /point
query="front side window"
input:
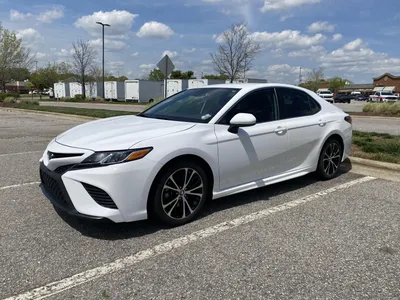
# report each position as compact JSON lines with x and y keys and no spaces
{"x":198,"y":105}
{"x":294,"y":103}
{"x":260,"y":103}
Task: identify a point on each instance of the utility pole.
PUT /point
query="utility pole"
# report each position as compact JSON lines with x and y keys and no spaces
{"x":103,"y":25}
{"x":300,"y":77}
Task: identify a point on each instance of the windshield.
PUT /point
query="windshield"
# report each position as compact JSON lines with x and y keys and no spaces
{"x":192,"y":105}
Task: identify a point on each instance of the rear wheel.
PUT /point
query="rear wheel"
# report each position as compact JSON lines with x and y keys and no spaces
{"x":330,"y":159}
{"x":180,"y":193}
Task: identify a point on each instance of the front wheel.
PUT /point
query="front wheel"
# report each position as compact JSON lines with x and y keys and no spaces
{"x":180,"y":193}
{"x":330,"y":159}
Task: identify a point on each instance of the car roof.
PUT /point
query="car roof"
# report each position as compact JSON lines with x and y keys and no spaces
{"x":249,"y":86}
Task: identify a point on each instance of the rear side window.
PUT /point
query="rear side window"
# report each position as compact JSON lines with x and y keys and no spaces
{"x":294,"y":103}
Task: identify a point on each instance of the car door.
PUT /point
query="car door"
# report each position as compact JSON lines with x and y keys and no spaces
{"x":306,"y":126}
{"x":255,"y":152}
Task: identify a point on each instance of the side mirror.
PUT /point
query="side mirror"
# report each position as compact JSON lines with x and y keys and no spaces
{"x":241,"y":120}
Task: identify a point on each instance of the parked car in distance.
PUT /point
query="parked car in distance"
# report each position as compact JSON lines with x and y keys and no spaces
{"x":343,"y":98}
{"x":383,"y":97}
{"x":325,"y":94}
{"x":199,"y":144}
{"x":361,"y":97}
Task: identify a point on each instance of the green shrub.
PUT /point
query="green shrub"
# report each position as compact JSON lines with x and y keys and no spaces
{"x":9,"y":100}
{"x":66,"y":99}
{"x":385,"y":109}
{"x":79,"y":97}
{"x":29,"y":102}
{"x":6,"y":95}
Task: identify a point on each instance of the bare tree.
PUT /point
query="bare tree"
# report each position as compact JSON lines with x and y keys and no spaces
{"x":13,"y":55}
{"x":83,"y":59}
{"x":315,"y":78}
{"x":236,"y":52}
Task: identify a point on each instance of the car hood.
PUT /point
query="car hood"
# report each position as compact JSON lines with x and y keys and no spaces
{"x":118,"y":133}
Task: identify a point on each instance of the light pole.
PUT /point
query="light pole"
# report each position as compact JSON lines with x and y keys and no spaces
{"x":103,"y":24}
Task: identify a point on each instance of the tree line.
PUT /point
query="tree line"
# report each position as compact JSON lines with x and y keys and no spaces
{"x":234,"y":57}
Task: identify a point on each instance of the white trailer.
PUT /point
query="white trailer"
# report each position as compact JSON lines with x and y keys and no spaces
{"x":248,"y":80}
{"x":61,"y":90}
{"x":94,"y":89}
{"x":75,"y":88}
{"x":143,"y":91}
{"x":176,"y":85}
{"x":194,"y":83}
{"x":114,"y":90}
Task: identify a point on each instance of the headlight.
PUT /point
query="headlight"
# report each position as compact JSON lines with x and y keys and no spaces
{"x":114,"y":157}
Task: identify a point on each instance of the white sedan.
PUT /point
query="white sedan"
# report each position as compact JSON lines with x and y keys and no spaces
{"x":199,"y":144}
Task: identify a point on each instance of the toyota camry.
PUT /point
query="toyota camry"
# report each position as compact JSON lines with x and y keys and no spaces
{"x":200,"y":144}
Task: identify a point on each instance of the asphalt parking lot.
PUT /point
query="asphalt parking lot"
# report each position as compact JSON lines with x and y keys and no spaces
{"x":302,"y":239}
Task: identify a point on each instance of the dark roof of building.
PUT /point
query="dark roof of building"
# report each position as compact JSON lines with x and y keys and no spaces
{"x":388,"y":75}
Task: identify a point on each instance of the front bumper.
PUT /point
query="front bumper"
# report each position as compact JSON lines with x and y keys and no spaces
{"x":117,"y":192}
{"x":54,"y":189}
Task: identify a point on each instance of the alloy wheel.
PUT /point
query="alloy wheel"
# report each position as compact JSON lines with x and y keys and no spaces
{"x":182,"y":193}
{"x":331,"y":159}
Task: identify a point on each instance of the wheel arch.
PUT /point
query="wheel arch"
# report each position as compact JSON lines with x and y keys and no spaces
{"x":188,"y":157}
{"x":333,"y":135}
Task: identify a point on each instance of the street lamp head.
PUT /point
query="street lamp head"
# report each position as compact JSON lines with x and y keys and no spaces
{"x":103,"y":24}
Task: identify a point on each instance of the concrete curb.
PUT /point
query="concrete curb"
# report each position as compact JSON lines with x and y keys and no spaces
{"x":375,"y":164}
{"x":373,"y":117}
{"x":48,"y":113}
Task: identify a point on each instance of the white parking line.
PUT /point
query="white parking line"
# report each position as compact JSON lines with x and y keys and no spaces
{"x":18,"y":185}
{"x":119,"y":264}
{"x":20,"y":153}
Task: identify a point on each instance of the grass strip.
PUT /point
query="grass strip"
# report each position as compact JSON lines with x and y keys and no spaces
{"x":376,"y":146}
{"x":89,"y":112}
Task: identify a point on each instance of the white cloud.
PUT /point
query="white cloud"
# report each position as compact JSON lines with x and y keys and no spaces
{"x":285,"y":17}
{"x":40,"y":55}
{"x":148,"y":66}
{"x":109,"y":45}
{"x":171,"y":54}
{"x":155,"y":30}
{"x":15,"y":15}
{"x":283,"y":73}
{"x":51,"y":15}
{"x":189,"y":50}
{"x":64,"y":52}
{"x":357,"y":57}
{"x":274,"y":5}
{"x":310,"y":52}
{"x":354,"y":45}
{"x":321,"y":26}
{"x":120,"y":22}
{"x":135,"y":54}
{"x":29,"y":36}
{"x":288,"y":39}
{"x":337,"y":37}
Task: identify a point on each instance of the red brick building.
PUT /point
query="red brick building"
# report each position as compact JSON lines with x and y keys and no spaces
{"x":387,"y":82}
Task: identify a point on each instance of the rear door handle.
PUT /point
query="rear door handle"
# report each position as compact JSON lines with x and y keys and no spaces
{"x":280,"y":130}
{"x":321,"y":123}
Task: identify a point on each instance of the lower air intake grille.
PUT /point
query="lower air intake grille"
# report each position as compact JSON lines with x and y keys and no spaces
{"x":100,"y":196}
{"x":63,"y":169}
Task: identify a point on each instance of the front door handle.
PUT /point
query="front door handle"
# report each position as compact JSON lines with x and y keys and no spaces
{"x":321,"y":123}
{"x":280,"y":130}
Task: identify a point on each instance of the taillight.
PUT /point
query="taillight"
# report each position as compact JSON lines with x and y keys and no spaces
{"x":348,"y":119}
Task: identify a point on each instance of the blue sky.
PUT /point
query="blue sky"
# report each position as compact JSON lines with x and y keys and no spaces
{"x":356,"y":39}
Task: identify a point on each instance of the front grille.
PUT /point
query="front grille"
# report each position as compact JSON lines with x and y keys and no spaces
{"x":53,"y":188}
{"x":100,"y":196}
{"x":54,"y":155}
{"x":63,"y":169}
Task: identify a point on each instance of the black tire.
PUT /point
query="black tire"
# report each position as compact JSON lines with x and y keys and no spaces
{"x":328,"y":169}
{"x":161,"y":195}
